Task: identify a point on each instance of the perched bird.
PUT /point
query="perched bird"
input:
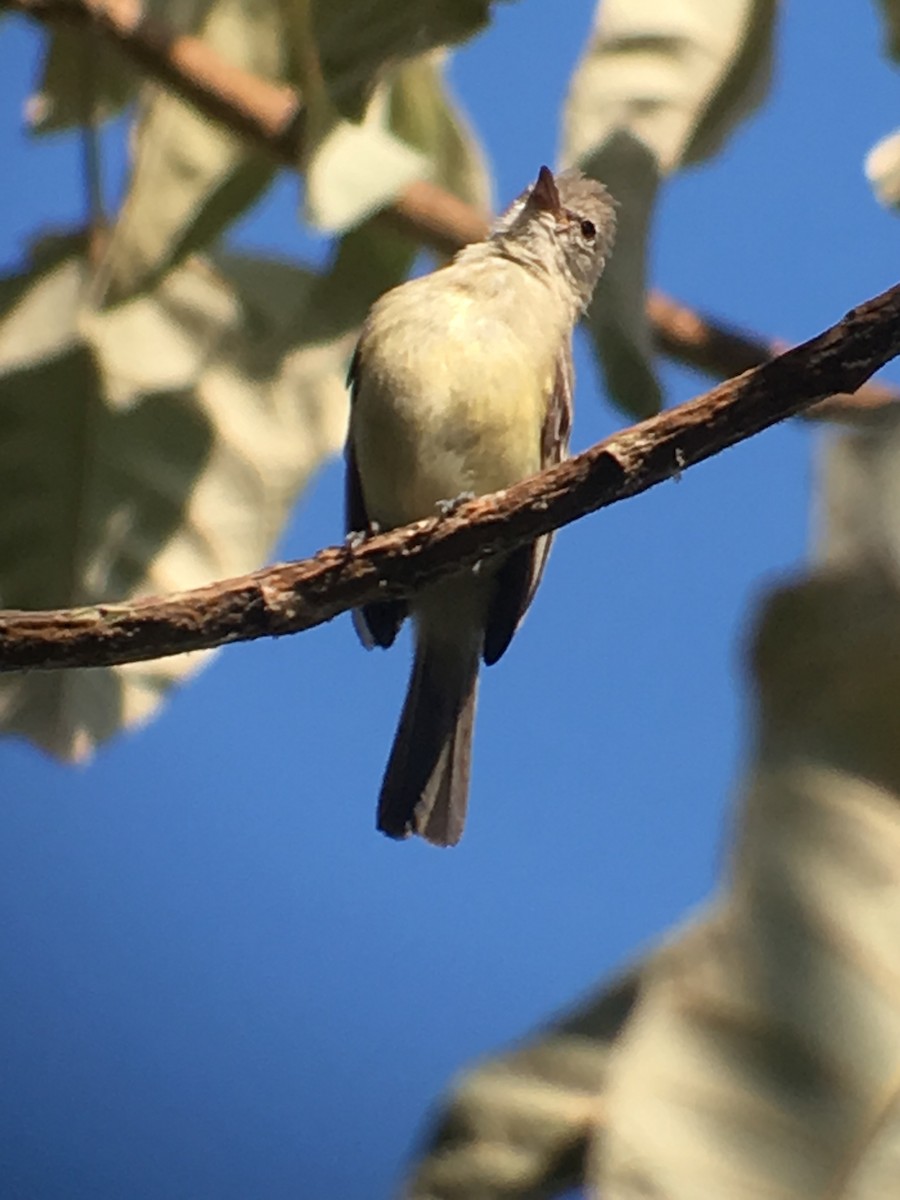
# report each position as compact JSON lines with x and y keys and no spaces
{"x":462,"y":385}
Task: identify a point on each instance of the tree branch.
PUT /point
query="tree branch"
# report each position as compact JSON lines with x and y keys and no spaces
{"x":698,"y":341}
{"x":267,"y":114}
{"x":270,"y":116}
{"x":290,"y":598}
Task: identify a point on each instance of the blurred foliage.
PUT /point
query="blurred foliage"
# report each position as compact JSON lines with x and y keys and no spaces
{"x":162,"y":403}
{"x":358,"y":40}
{"x":150,"y":448}
{"x":890,"y":12}
{"x":883,"y":169}
{"x":883,"y":161}
{"x":658,"y":87}
{"x":412,"y":129}
{"x":756,"y":1051}
{"x":191,"y":178}
{"x":85,"y":79}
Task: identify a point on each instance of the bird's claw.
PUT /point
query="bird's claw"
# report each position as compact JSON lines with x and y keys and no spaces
{"x":446,"y":508}
{"x":358,"y":537}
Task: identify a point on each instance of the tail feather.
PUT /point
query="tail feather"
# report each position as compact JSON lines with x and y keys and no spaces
{"x":426,"y":782}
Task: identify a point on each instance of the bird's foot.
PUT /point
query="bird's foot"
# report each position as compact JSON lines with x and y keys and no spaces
{"x":358,"y":537}
{"x":446,"y":508}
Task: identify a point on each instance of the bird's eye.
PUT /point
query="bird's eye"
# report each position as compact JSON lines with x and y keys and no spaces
{"x":588,"y":230}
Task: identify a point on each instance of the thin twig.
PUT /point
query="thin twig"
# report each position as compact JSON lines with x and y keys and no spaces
{"x":297,"y":596}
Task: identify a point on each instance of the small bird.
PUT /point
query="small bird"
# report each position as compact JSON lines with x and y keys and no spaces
{"x":461,"y":385}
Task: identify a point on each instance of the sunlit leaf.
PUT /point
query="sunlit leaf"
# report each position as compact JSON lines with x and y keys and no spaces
{"x":358,"y":169}
{"x":191,"y":177}
{"x":883,"y":170}
{"x":40,"y":308}
{"x":411,"y":130}
{"x":661,"y":83}
{"x":150,"y":448}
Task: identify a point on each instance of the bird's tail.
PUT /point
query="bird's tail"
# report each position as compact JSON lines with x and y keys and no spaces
{"x":426,"y":782}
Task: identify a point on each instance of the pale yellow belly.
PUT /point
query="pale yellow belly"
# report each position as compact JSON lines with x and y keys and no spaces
{"x":430,"y":427}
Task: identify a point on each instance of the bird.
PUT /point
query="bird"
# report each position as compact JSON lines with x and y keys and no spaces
{"x":461,"y":385}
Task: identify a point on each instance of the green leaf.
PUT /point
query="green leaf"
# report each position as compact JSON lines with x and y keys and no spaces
{"x":617,"y":319}
{"x":149,"y":448}
{"x":355,"y":170}
{"x":356,"y":39}
{"x":85,"y":77}
{"x":762,"y":1057}
{"x":661,"y":84}
{"x":40,"y":309}
{"x":521,"y":1124}
{"x":411,"y":130}
{"x":425,"y":114}
{"x":890,"y":14}
{"x":191,"y":177}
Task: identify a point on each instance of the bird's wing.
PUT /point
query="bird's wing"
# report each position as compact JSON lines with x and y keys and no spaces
{"x":518,"y":578}
{"x":376,"y":624}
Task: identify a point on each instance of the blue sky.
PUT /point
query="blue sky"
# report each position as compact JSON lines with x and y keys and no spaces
{"x":217,"y":979}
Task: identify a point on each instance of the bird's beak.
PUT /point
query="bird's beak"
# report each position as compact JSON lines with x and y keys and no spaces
{"x":544,"y":194}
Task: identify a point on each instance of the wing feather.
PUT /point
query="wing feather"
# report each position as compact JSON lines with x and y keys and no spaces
{"x":518,"y":578}
{"x":376,"y":624}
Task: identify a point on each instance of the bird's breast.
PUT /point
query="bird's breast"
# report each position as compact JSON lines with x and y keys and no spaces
{"x":450,"y":399}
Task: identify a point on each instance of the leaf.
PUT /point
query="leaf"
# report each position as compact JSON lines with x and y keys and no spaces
{"x":860,"y":504}
{"x":662,"y":83}
{"x":425,"y":114}
{"x":357,"y":39}
{"x":40,"y":309}
{"x":756,"y":1052}
{"x":369,"y":259}
{"x":617,"y":318}
{"x":890,"y":15}
{"x":355,"y":170}
{"x":883,"y":170}
{"x":411,"y":130}
{"x":763,"y":1057}
{"x":520,"y":1124}
{"x":354,"y":161}
{"x":191,"y":177}
{"x":160,"y":448}
{"x":85,"y":77}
